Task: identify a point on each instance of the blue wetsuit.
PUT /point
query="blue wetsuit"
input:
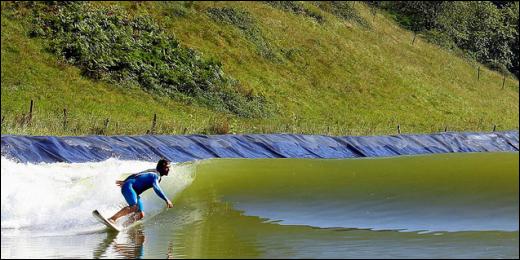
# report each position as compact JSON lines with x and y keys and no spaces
{"x":137,"y":183}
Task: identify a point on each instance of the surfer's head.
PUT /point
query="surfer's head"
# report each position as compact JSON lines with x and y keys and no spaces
{"x":163,"y":167}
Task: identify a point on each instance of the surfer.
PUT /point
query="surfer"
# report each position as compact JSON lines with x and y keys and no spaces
{"x":136,"y":184}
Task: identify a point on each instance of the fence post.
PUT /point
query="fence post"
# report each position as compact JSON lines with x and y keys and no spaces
{"x":152,"y":130}
{"x":446,"y":129}
{"x":494,"y":128}
{"x":3,"y":117}
{"x":503,"y":81}
{"x":64,"y":118}
{"x":398,"y":129}
{"x":478,"y":73}
{"x":106,"y":126}
{"x":30,"y":112}
{"x":414,"y":35}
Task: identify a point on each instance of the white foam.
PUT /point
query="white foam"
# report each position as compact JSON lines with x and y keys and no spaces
{"x":61,"y":196}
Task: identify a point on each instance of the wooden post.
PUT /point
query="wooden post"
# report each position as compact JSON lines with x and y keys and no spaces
{"x":3,"y":117}
{"x":152,"y":131}
{"x":414,"y":35}
{"x":446,"y":129}
{"x":106,"y":126}
{"x":478,"y":73}
{"x":398,"y":129}
{"x":494,"y":128}
{"x":503,"y":81}
{"x":30,"y":112}
{"x":64,"y":118}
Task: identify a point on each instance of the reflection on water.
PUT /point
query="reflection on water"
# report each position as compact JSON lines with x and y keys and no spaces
{"x":127,"y":244}
{"x":221,"y":232}
{"x":225,"y":233}
{"x":135,"y":249}
{"x":103,"y":246}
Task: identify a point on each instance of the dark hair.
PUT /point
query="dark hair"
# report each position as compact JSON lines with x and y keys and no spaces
{"x":161,"y":164}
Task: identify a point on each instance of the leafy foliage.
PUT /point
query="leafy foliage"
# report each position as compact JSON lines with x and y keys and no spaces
{"x":479,"y":29}
{"x":486,"y":31}
{"x":418,"y":15}
{"x":109,"y":45}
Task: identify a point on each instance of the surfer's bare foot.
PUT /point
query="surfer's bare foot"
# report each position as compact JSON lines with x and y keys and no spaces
{"x":111,"y":221}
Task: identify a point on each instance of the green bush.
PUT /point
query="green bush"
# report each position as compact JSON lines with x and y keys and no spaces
{"x":108,"y":44}
{"x":482,"y":30}
{"x":485,"y":30}
{"x":439,"y":38}
{"x":416,"y":15}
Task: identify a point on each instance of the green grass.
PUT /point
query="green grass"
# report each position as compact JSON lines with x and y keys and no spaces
{"x":335,"y":77}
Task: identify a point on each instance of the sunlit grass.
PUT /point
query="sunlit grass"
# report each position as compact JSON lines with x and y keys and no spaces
{"x":336,"y":78}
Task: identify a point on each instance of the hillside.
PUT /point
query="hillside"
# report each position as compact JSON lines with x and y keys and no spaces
{"x":320,"y":70}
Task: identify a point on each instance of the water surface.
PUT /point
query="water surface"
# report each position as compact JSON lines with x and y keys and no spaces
{"x":428,"y":206}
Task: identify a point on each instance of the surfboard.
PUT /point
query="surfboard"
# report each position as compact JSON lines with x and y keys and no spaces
{"x":105,"y":221}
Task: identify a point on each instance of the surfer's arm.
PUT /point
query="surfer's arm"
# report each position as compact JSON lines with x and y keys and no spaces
{"x":159,"y":191}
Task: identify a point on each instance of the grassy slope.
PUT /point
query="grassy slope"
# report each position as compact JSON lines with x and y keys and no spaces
{"x":28,"y":72}
{"x":343,"y":79}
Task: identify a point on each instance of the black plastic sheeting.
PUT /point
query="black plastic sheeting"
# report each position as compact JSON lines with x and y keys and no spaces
{"x":178,"y":148}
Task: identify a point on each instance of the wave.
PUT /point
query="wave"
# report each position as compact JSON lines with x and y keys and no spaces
{"x":442,"y":192}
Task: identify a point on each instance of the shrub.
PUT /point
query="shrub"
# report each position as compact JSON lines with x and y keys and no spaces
{"x":108,"y":44}
{"x":485,"y":30}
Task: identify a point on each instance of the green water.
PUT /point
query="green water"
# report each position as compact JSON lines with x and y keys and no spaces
{"x":434,"y":206}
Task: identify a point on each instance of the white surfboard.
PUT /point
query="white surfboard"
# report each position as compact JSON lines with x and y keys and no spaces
{"x":105,"y":221}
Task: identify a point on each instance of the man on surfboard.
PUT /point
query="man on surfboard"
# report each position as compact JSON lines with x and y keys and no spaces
{"x":136,"y":184}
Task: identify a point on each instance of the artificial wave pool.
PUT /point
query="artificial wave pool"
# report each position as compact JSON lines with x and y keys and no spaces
{"x":445,"y":205}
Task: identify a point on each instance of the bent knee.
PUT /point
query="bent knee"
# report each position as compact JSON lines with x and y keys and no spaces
{"x":140,"y":215}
